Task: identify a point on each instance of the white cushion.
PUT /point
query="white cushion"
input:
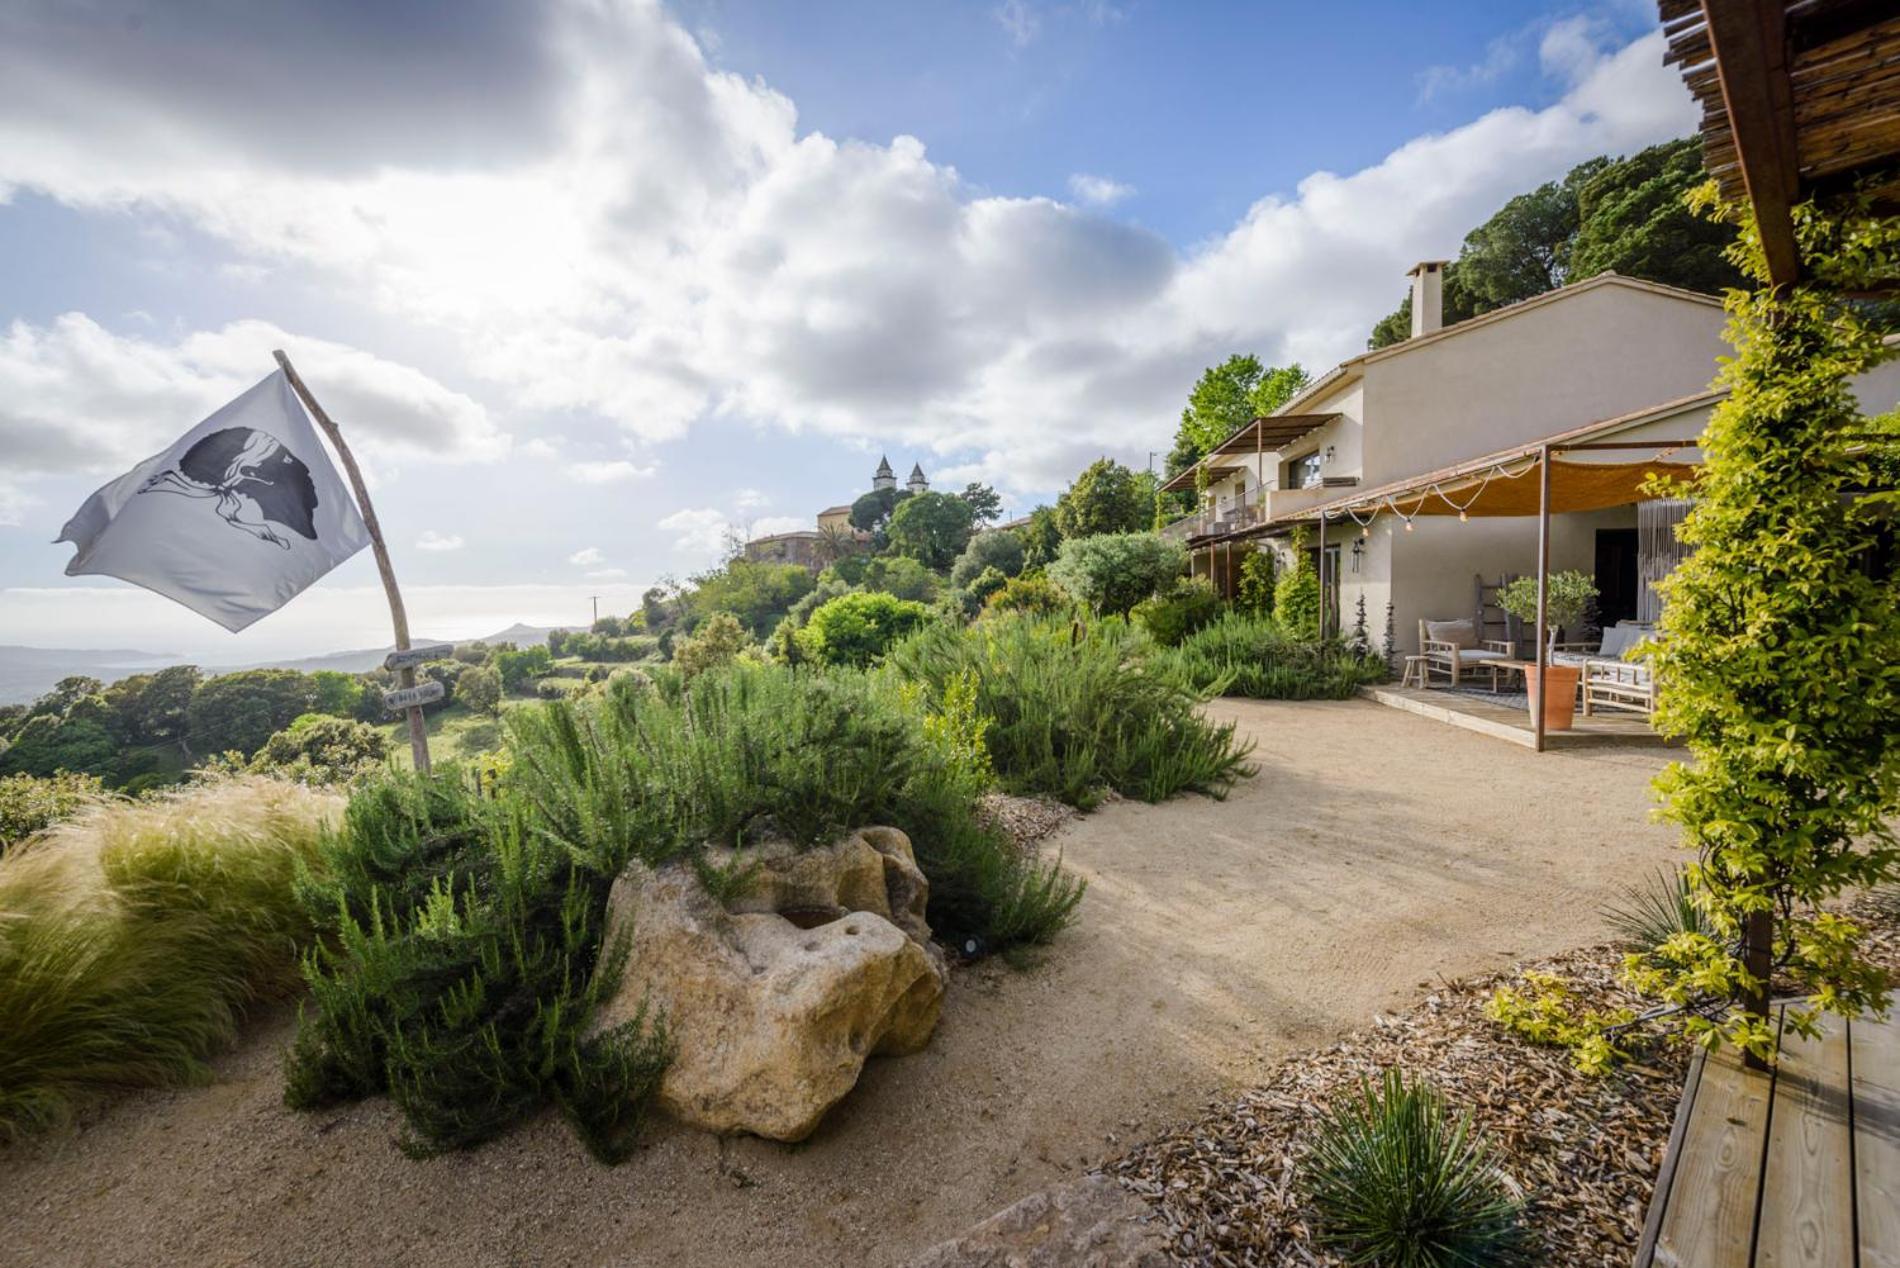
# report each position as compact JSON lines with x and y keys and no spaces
{"x":1619,"y":640}
{"x":1458,"y":633}
{"x":1472,"y":655}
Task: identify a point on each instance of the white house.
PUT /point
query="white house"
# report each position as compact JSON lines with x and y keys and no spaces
{"x":1386,"y":446}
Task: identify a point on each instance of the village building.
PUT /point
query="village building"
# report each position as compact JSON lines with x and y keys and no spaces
{"x":833,"y":537}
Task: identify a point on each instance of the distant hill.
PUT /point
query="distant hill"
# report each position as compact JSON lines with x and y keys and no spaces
{"x":26,"y":673}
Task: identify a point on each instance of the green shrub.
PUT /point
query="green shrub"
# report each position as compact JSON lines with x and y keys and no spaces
{"x":998,"y":548}
{"x":519,"y":669}
{"x":47,"y":745}
{"x":1032,"y":596}
{"x":1112,"y":572}
{"x":858,"y":629}
{"x":460,"y":971}
{"x":320,"y":749}
{"x":30,"y":803}
{"x":1075,"y":708}
{"x":717,"y":642}
{"x":1178,"y":611}
{"x":1246,"y":655}
{"x":1394,"y":1179}
{"x":657,"y":774}
{"x":1256,"y":583}
{"x":1296,"y":595}
{"x":132,"y":937}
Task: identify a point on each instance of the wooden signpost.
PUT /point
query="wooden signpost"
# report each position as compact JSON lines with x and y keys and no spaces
{"x":418,"y":655}
{"x":406,"y":672}
{"x":414,"y":697}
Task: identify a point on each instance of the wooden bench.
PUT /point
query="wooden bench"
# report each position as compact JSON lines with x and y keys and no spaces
{"x":1795,"y":1166}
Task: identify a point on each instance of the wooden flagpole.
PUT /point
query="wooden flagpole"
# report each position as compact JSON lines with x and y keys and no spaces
{"x":418,"y":733}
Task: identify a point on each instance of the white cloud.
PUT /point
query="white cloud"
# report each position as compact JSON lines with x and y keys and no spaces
{"x":1099,"y":191}
{"x":74,"y":397}
{"x":436,"y":542}
{"x":771,"y":524}
{"x":1019,"y":21}
{"x":607,"y":574}
{"x":750,"y":499}
{"x":587,"y":556}
{"x":695,"y":256}
{"x":1501,"y":56}
{"x":699,"y":531}
{"x":608,"y":472}
{"x":13,"y":503}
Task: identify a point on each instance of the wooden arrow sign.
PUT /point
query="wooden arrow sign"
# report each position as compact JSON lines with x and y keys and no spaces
{"x":417,"y":655}
{"x":412,"y":697}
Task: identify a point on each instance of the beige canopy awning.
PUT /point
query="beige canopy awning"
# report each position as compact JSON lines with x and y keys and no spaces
{"x":1515,"y":490}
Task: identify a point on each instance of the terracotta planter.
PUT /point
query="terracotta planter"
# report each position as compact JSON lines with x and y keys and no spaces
{"x":1560,"y":710}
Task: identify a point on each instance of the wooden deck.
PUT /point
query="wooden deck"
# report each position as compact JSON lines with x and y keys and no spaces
{"x":1512,"y":722}
{"x":1798,"y":1166}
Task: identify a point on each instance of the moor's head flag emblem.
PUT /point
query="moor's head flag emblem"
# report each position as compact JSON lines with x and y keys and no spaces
{"x":237,"y":518}
{"x":253,"y":478}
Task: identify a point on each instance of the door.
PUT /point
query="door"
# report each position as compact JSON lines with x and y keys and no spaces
{"x":1618,"y":576}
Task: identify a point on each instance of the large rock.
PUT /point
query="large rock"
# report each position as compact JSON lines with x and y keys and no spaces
{"x":777,"y":997}
{"x":1088,"y":1223}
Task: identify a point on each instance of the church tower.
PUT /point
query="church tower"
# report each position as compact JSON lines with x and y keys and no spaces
{"x":885,"y":477}
{"x":917,"y":483}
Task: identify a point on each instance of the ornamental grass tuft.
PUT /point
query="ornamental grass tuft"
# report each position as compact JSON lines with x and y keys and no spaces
{"x":1395,"y":1180}
{"x":1649,"y":913}
{"x":133,"y":936}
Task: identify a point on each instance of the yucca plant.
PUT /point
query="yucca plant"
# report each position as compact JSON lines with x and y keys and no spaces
{"x":1396,"y":1180}
{"x":1649,"y":913}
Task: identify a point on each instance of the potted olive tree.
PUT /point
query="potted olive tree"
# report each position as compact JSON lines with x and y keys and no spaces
{"x":1567,"y":597}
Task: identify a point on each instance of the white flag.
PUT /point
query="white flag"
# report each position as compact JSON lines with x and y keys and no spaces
{"x":233,"y":521}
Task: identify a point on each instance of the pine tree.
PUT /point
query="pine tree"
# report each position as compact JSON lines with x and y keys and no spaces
{"x":1391,"y":643}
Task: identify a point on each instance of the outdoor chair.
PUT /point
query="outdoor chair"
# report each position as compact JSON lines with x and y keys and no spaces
{"x":1612,"y":682}
{"x":1454,"y":649}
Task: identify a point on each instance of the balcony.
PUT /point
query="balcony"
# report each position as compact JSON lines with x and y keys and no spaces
{"x":1235,"y":514}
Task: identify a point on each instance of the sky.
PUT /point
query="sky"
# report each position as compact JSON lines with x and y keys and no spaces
{"x":591,"y":284}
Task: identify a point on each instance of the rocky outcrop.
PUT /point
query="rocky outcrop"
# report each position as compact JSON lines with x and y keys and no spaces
{"x":777,"y":997}
{"x":1088,"y":1223}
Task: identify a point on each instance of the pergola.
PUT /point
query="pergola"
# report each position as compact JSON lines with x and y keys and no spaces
{"x":1800,"y":99}
{"x":1254,"y":440}
{"x":1582,"y":470}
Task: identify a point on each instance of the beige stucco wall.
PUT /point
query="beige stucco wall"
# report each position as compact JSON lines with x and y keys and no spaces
{"x":1595,"y":354}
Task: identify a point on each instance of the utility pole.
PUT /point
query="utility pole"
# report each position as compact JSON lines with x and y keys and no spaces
{"x":596,"y":601}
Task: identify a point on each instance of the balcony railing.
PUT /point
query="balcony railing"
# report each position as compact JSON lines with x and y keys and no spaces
{"x":1245,"y":511}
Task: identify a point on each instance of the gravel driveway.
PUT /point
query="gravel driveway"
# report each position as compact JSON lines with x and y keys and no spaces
{"x":1375,"y":852}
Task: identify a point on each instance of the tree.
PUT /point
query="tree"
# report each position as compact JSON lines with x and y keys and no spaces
{"x":999,"y":549}
{"x":47,"y":745}
{"x":1634,"y":217}
{"x":238,"y":712}
{"x":1630,"y":215}
{"x":1112,"y":572}
{"x":519,"y":669}
{"x":758,"y":594}
{"x":1256,"y":583}
{"x":321,"y":749}
{"x":1105,"y":498}
{"x":150,"y":708}
{"x":480,"y":689}
{"x":986,"y":507}
{"x":932,"y":528}
{"x":1041,"y":538}
{"x":872,"y":511}
{"x":1227,"y":397}
{"x":901,"y":576}
{"x":717,"y":642}
{"x":336,"y":694}
{"x":857,"y":629}
{"x":65,"y":692}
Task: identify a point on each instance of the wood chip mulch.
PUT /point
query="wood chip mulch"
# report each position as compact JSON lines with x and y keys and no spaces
{"x":1582,"y":1150}
{"x":1026,"y":820}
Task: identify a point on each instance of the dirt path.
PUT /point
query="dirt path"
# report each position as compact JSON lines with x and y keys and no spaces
{"x":1374,"y":851}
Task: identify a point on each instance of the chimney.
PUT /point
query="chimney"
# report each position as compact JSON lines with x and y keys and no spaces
{"x":1428,"y":297}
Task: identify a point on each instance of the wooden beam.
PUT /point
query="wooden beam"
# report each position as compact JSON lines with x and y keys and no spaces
{"x":1751,"y":58}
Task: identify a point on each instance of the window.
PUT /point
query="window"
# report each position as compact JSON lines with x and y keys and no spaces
{"x":1303,"y":473}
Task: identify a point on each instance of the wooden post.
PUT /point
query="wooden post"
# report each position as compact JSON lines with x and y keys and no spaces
{"x":418,"y":733}
{"x":1542,"y":694}
{"x":1758,"y":957}
{"x":1322,"y":576}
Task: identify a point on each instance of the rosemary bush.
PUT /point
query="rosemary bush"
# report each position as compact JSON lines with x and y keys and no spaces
{"x":1243,"y":654}
{"x":1397,"y":1181}
{"x":1078,"y":707}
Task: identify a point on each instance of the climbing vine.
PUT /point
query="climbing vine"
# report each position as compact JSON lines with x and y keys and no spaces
{"x":1778,"y":661}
